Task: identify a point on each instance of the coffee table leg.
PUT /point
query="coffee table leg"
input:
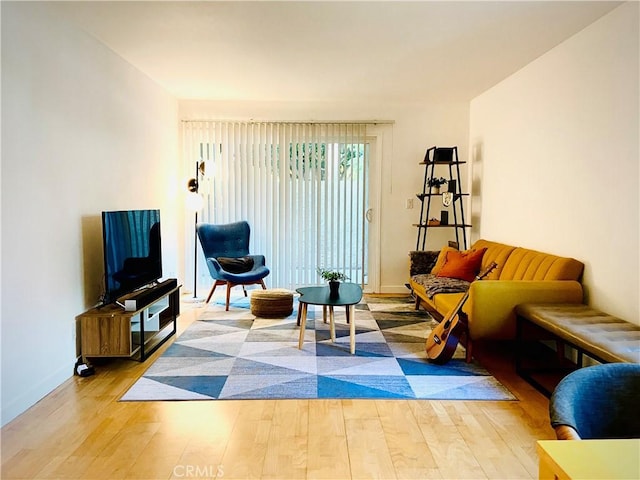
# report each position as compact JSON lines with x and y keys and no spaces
{"x":332,"y":325}
{"x":303,"y":324}
{"x":352,"y":328}
{"x":324,"y":313}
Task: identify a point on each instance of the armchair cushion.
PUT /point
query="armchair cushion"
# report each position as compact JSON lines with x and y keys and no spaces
{"x":236,"y":264}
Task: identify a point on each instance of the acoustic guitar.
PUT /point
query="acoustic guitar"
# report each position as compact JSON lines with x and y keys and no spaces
{"x":444,"y":338}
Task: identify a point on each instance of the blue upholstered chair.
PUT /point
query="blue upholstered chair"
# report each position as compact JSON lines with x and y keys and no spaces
{"x":597,"y":402}
{"x":226,"y":248}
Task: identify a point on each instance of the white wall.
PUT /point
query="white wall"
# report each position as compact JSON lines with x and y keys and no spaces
{"x":556,"y":160}
{"x":82,"y":132}
{"x":416,"y":127}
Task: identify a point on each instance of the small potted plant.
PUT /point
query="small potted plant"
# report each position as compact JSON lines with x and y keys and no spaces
{"x":436,"y":183}
{"x":333,"y":277}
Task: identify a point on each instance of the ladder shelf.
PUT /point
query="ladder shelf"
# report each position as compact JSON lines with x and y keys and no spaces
{"x":445,"y":158}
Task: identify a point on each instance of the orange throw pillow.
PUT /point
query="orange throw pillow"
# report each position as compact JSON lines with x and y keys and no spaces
{"x":462,"y":265}
{"x":442,"y":257}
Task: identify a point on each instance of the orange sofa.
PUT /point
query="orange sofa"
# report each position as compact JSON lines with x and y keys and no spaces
{"x":521,"y":276}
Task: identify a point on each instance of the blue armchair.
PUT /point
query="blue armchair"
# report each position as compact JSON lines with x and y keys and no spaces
{"x":597,"y":402}
{"x":229,"y":244}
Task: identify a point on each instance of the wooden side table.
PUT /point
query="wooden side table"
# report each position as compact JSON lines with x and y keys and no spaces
{"x":589,"y":459}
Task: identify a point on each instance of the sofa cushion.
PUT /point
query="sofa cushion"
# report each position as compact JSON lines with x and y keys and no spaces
{"x":525,"y":264}
{"x":462,"y":265}
{"x":496,"y":252}
{"x":446,"y":302}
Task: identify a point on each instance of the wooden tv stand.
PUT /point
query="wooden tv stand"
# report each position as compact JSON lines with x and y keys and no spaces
{"x":110,"y":331}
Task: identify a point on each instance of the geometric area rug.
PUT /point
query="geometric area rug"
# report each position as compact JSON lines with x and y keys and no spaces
{"x":227,"y":355}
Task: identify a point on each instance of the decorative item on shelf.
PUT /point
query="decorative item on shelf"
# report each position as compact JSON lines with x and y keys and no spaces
{"x":443,"y":154}
{"x":333,"y":277}
{"x":433,"y":222}
{"x":451,"y":186}
{"x":444,"y":217}
{"x":435,"y":184}
{"x":447,"y":198}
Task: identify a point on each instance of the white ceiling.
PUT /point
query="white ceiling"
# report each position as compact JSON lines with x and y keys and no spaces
{"x":331,"y":51}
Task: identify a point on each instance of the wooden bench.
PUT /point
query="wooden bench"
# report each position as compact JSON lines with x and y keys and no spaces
{"x":590,"y":332}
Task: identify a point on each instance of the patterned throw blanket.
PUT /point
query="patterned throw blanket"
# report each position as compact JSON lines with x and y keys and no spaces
{"x":422,"y":261}
{"x":434,"y":285}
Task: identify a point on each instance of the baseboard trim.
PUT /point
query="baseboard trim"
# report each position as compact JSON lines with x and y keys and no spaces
{"x":12,"y":408}
{"x":395,"y":289}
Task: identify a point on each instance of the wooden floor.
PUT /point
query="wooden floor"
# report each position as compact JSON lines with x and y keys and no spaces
{"x":81,"y":431}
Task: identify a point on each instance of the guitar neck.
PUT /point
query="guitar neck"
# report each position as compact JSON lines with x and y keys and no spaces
{"x":452,"y":314}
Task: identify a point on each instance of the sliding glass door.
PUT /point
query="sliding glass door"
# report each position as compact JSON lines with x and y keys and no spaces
{"x":305,"y":189}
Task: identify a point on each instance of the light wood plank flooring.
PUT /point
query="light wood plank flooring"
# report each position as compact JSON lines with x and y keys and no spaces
{"x":81,"y":431}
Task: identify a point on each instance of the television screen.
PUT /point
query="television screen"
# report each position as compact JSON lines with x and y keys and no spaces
{"x":132,"y":253}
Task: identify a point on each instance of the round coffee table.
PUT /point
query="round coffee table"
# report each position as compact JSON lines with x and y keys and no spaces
{"x":348,"y":295}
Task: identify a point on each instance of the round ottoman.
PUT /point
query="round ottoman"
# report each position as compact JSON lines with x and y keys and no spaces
{"x":274,"y":302}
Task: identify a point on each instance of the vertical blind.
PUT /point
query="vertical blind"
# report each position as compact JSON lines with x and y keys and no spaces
{"x":303,"y":188}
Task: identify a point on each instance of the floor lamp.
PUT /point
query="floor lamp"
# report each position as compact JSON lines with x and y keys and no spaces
{"x":195,"y":202}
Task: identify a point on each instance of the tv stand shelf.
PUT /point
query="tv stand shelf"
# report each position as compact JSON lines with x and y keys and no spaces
{"x":111,"y":331}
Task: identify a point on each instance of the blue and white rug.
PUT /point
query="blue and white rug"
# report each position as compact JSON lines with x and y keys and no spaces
{"x":234,"y":355}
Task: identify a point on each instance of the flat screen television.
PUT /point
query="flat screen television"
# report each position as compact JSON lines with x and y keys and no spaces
{"x":132,"y":253}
